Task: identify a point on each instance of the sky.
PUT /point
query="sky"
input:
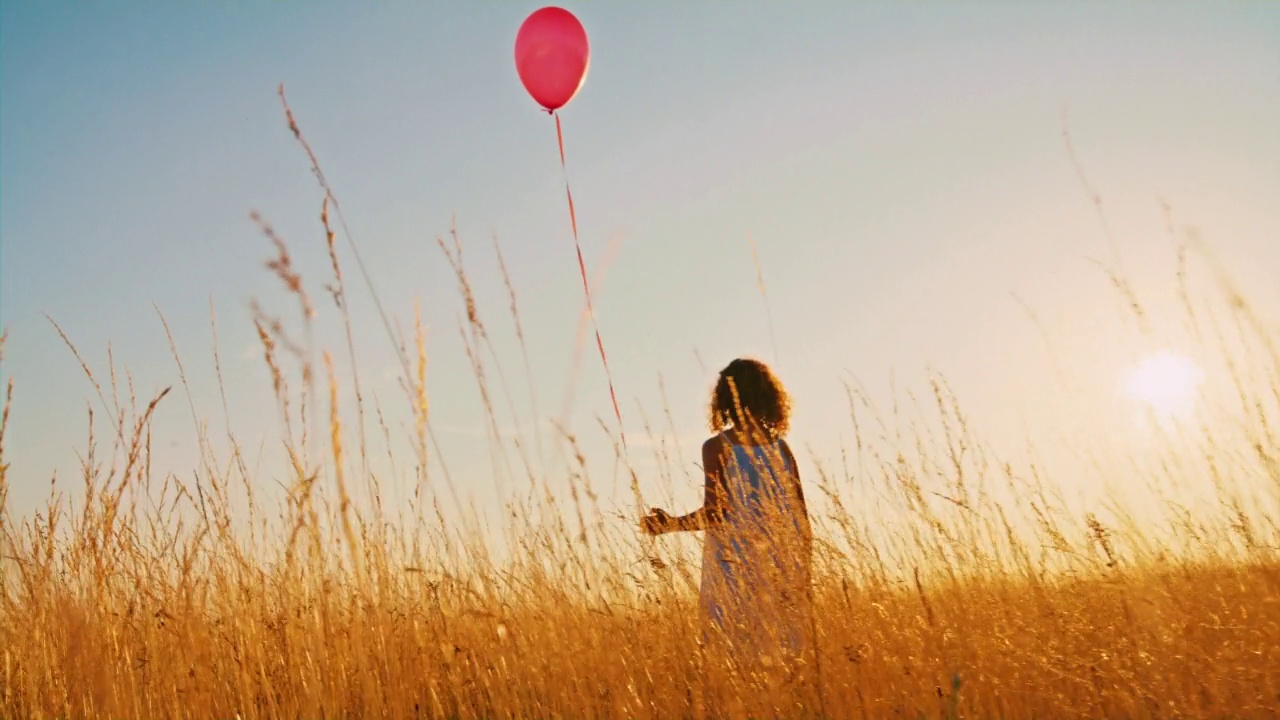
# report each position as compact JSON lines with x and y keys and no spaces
{"x":900,"y":168}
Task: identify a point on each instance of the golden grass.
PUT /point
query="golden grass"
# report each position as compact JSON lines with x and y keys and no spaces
{"x":169,"y":599}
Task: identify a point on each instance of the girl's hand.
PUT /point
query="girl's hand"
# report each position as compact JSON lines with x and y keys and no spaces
{"x":656,"y":522}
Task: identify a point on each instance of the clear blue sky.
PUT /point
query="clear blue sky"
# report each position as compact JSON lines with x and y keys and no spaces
{"x":901,"y":168}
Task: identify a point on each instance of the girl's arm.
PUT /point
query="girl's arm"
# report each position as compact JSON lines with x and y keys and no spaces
{"x":710,"y":512}
{"x":795,"y":476}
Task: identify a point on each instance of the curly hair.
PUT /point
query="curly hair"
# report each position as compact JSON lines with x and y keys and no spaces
{"x":747,"y":393}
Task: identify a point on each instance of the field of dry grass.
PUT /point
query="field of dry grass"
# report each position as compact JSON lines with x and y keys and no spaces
{"x":174,"y":597}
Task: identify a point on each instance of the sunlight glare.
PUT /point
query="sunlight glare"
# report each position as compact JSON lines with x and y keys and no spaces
{"x":1165,"y":385}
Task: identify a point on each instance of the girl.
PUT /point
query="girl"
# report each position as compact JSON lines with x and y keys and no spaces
{"x":755,"y":601}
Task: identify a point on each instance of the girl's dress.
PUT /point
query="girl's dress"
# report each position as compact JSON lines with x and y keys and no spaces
{"x":755,"y":594}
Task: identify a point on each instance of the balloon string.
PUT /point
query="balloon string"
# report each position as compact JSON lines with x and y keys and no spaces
{"x":586,"y":288}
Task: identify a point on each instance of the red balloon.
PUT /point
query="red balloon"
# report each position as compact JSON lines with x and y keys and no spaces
{"x":552,"y":56}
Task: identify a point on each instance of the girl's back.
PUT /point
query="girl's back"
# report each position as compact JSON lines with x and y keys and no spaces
{"x":756,"y":558}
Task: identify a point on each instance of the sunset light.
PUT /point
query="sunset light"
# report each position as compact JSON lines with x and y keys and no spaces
{"x":639,"y":360}
{"x":1165,"y":386}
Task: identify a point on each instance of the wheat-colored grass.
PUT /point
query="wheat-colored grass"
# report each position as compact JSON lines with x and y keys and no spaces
{"x":184,"y":597}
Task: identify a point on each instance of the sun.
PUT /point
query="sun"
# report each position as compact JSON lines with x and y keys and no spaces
{"x":1165,"y":385}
